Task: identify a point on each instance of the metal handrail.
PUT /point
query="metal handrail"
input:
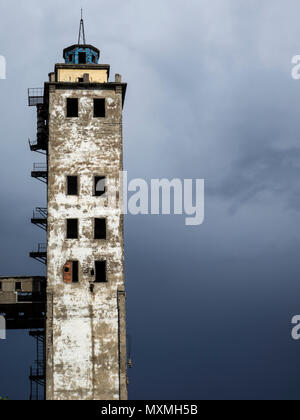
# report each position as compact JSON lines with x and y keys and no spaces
{"x":40,"y":167}
{"x":35,"y":92}
{"x":40,"y":214}
{"x":42,"y":248}
{"x":42,"y":211}
{"x":35,"y":96}
{"x":32,"y":143}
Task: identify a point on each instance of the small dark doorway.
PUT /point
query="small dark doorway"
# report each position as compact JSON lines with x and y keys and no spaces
{"x":82,"y":58}
{"x":75,"y":272}
{"x":18,"y":286}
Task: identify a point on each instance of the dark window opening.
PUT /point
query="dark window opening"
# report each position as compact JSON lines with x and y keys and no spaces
{"x":71,"y":57}
{"x":71,"y":272}
{"x":100,"y":185}
{"x":72,"y":185}
{"x":100,"y":272}
{"x":75,"y":270}
{"x":72,"y":229}
{"x":100,"y":228}
{"x":0,"y":285}
{"x":82,"y":58}
{"x":72,"y":107}
{"x":80,"y":79}
{"x":18,"y":285}
{"x":94,"y":59}
{"x":99,"y":108}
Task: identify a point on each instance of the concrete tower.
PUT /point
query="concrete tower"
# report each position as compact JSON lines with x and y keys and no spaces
{"x":86,"y":321}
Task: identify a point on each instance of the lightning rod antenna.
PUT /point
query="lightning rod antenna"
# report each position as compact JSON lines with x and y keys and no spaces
{"x":81,"y":30}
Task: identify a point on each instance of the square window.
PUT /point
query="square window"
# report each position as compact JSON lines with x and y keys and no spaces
{"x":18,"y":286}
{"x":100,"y":229}
{"x":72,"y":107}
{"x":101,"y":276}
{"x":99,"y":108}
{"x":72,"y":229}
{"x":100,"y":186}
{"x":72,"y":185}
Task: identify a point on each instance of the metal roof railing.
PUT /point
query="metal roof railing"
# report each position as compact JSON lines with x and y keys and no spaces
{"x":35,"y":96}
{"x":40,"y":166}
{"x":40,"y":249}
{"x":40,"y":213}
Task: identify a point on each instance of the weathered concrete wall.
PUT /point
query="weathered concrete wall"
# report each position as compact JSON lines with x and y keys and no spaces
{"x":86,"y":330}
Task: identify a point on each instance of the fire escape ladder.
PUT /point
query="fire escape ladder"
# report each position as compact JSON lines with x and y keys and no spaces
{"x":36,"y":98}
{"x":37,"y":372}
{"x":40,"y":254}
{"x":40,"y":172}
{"x":39,"y":218}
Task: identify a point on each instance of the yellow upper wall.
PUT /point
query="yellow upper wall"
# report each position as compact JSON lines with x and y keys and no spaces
{"x":72,"y":75}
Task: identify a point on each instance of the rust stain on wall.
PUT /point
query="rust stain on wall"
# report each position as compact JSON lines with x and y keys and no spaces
{"x":68,"y":272}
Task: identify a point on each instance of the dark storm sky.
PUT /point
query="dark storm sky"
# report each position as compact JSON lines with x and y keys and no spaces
{"x":211,"y":96}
